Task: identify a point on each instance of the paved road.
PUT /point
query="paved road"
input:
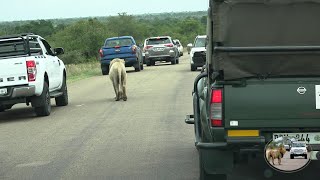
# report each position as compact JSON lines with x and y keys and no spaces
{"x":94,"y":137}
{"x":295,"y":164}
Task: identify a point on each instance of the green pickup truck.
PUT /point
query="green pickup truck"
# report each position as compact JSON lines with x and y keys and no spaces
{"x":261,"y":81}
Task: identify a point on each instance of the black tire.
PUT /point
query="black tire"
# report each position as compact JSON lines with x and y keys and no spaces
{"x":173,"y":61}
{"x":141,"y":66}
{"x":305,"y":156}
{"x":105,"y":71}
{"x":63,"y":100}
{"x":148,"y":62}
{"x":193,"y":68}
{"x":137,"y":67}
{"x":44,"y":98}
{"x":205,"y":176}
{"x":291,"y":156}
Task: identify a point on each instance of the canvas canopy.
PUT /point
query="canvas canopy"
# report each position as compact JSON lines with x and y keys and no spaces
{"x":266,"y":37}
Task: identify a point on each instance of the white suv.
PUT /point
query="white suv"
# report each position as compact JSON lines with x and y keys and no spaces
{"x":298,"y":149}
{"x":198,"y":52}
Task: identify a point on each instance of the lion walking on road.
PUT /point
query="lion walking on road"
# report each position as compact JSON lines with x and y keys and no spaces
{"x":277,"y":153}
{"x":118,"y":76}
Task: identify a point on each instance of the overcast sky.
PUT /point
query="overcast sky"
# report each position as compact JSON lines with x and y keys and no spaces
{"x":12,"y":10}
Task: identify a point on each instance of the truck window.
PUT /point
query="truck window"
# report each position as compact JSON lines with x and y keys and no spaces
{"x":48,"y":47}
{"x":119,"y":42}
{"x":200,"y":42}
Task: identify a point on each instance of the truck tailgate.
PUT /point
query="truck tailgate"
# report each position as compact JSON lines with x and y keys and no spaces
{"x":13,"y":71}
{"x":273,"y":103}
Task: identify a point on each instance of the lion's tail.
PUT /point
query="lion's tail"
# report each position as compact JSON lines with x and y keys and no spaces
{"x":120,"y":80}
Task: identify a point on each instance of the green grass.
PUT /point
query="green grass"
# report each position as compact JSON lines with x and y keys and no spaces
{"x":77,"y":72}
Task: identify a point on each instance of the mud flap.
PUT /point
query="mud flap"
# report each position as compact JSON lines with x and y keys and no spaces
{"x":216,"y":161}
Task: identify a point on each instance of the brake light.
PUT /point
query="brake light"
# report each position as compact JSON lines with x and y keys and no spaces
{"x":31,"y":70}
{"x":216,"y":108}
{"x":169,"y":45}
{"x":147,"y":47}
{"x":117,"y":46}
{"x":134,"y":49}
{"x":101,"y":52}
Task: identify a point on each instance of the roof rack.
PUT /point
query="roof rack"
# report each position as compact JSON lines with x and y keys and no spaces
{"x":24,"y":40}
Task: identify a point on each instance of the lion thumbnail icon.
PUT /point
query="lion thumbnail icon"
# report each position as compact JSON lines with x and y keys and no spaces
{"x":287,"y":155}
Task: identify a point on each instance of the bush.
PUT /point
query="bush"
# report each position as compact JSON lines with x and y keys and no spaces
{"x":73,"y":57}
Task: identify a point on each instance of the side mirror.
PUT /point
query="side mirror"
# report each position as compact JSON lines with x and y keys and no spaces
{"x":58,"y":51}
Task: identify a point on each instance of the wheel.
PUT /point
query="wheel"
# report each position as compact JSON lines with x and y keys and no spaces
{"x":152,"y":63}
{"x":305,"y":156}
{"x":141,"y":66}
{"x":193,"y":68}
{"x":148,"y":62}
{"x":45,"y":102}
{"x":173,"y":60}
{"x":205,"y":176}
{"x":63,"y":99}
{"x":5,"y":107}
{"x":105,"y":70}
{"x":291,"y":156}
{"x":137,"y":67}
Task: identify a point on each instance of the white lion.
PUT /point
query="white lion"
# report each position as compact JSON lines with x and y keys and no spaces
{"x":118,"y":76}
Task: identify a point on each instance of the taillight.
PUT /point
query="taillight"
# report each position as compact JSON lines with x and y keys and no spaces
{"x":117,"y":47}
{"x":216,"y":108}
{"x":147,"y":47}
{"x":101,"y":52}
{"x":169,"y":45}
{"x":134,"y":49}
{"x":31,"y":70}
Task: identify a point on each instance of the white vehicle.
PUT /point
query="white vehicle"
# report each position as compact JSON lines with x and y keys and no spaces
{"x":179,"y":46}
{"x":31,"y":72}
{"x":198,"y":52}
{"x":298,"y":149}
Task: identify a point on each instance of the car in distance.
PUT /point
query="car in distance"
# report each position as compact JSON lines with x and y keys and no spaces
{"x":179,"y":46}
{"x":198,"y":52}
{"x":161,"y":48}
{"x":123,"y":47}
{"x":298,"y":149}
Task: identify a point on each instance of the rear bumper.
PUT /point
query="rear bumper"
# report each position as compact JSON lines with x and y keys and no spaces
{"x":18,"y":92}
{"x":159,"y":58}
{"x":248,"y":143}
{"x":129,"y":61}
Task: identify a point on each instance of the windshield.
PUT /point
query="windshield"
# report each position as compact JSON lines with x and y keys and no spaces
{"x":200,"y":42}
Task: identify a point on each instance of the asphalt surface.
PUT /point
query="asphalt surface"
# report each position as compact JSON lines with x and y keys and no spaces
{"x":94,"y":137}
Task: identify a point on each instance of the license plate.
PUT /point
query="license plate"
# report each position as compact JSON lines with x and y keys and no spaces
{"x":159,"y":49}
{"x":3,"y":91}
{"x":309,"y":138}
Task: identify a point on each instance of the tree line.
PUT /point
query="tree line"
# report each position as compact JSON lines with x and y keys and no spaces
{"x":83,"y":38}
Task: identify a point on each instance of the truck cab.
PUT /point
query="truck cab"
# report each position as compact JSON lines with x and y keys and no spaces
{"x":261,"y":81}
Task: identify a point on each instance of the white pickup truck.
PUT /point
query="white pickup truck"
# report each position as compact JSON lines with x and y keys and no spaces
{"x":31,"y":72}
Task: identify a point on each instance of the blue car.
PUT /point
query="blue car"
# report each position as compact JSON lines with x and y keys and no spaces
{"x":123,"y":47}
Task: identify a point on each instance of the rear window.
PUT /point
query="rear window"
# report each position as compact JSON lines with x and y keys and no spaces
{"x":200,"y":42}
{"x":118,"y":42}
{"x":156,"y":41}
{"x":14,"y":47}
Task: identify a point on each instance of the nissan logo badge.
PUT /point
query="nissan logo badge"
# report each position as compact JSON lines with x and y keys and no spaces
{"x":301,"y":90}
